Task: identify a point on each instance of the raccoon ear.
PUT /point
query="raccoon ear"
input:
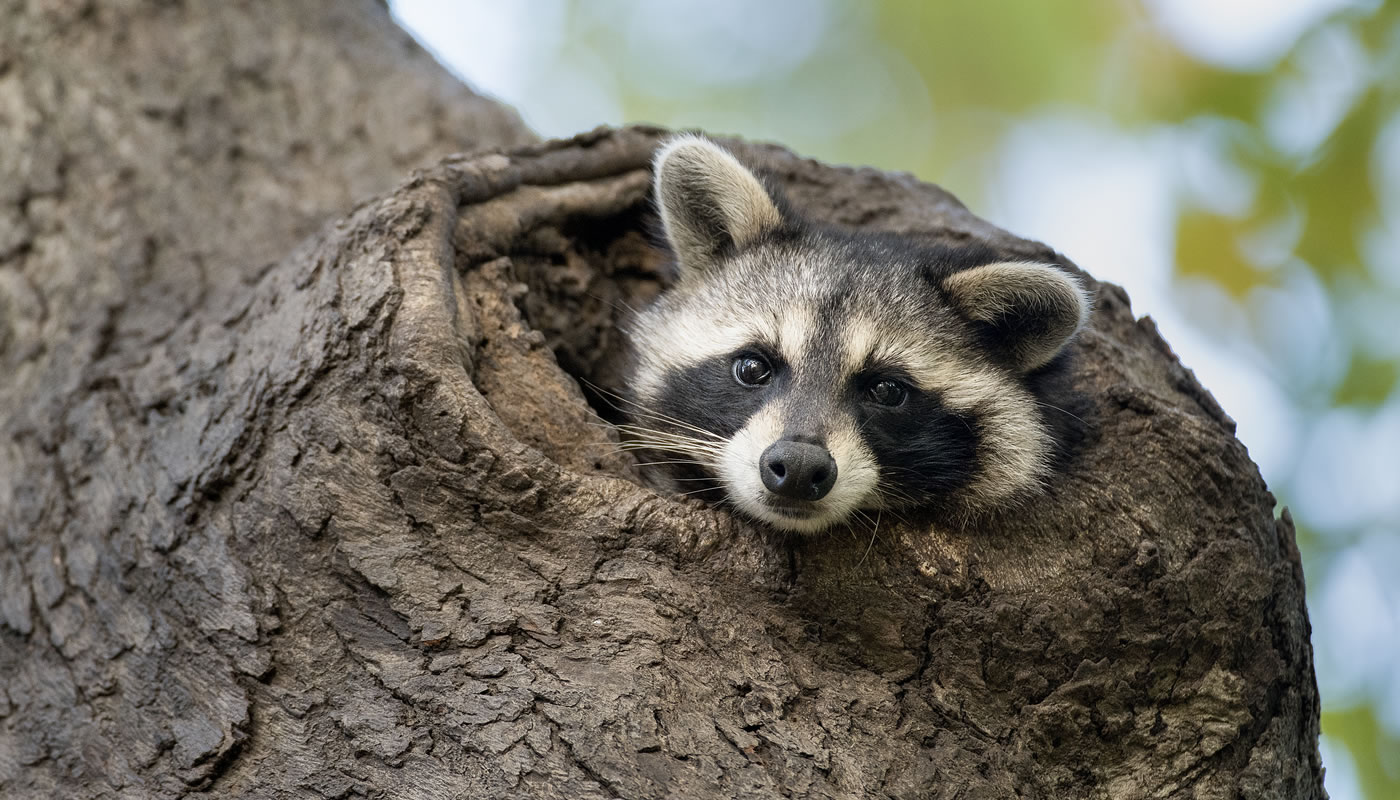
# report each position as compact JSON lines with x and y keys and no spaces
{"x":710,"y":203}
{"x":1028,"y":311}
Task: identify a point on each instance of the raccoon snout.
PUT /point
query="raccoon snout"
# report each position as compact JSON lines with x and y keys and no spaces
{"x":797,"y":470}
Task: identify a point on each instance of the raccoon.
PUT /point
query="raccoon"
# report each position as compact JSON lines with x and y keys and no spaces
{"x":805,"y":374}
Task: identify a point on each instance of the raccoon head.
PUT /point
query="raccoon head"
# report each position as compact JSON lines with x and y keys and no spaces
{"x":805,"y":374}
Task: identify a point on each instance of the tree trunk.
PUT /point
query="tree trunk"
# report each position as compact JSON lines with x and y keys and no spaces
{"x":335,"y":519}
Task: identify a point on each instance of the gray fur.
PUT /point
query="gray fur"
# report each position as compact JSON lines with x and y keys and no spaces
{"x":828,"y":305}
{"x":988,"y":293}
{"x":709,"y":203}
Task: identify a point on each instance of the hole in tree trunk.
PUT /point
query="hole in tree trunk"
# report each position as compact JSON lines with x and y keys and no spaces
{"x":583,"y":277}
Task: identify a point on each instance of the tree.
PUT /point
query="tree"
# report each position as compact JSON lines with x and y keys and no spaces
{"x":307,"y":501}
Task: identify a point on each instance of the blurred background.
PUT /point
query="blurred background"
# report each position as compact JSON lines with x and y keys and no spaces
{"x":1235,"y":164}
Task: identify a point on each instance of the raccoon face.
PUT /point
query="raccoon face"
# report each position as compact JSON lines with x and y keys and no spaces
{"x":805,"y":374}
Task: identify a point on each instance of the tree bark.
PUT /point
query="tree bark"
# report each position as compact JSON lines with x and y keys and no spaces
{"x":299,"y":508}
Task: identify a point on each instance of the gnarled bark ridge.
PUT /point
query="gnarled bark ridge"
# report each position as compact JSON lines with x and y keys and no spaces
{"x":346,"y":523}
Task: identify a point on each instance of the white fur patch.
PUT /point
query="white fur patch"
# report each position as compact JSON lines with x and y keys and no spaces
{"x":794,"y":329}
{"x":859,"y":338}
{"x":680,"y":339}
{"x":857,"y":473}
{"x":738,"y":466}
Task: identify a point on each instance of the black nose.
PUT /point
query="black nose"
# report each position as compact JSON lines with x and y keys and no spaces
{"x":797,"y":470}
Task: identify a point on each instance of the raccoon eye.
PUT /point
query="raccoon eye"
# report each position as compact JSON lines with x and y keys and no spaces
{"x":887,"y":393}
{"x":752,"y":371}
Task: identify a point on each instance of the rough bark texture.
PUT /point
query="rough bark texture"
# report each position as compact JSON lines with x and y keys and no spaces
{"x":335,"y":519}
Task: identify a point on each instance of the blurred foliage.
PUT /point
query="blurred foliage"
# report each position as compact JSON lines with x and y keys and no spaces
{"x":1207,"y":246}
{"x":938,"y":88}
{"x":1369,"y":381}
{"x":1371,"y":747}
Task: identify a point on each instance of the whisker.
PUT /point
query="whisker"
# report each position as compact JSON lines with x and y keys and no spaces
{"x":669,"y":420}
{"x":641,"y":410}
{"x":655,"y":436}
{"x":660,"y":444}
{"x":863,"y":517}
{"x":697,"y":491}
{"x":893,"y":492}
{"x":898,"y":517}
{"x":1061,"y":410}
{"x":874,"y":534}
{"x":652,"y":434}
{"x":618,"y":305}
{"x":667,"y":446}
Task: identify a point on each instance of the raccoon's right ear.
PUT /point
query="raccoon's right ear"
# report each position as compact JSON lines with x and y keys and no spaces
{"x":710,"y":203}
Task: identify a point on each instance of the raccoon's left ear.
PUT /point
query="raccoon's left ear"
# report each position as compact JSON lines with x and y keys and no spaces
{"x":1028,"y":311}
{"x":710,"y":203}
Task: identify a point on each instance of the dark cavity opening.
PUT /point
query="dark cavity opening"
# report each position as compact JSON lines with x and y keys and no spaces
{"x":585,"y":277}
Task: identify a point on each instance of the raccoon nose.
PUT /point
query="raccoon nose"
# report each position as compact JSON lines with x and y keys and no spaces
{"x":797,"y":470}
